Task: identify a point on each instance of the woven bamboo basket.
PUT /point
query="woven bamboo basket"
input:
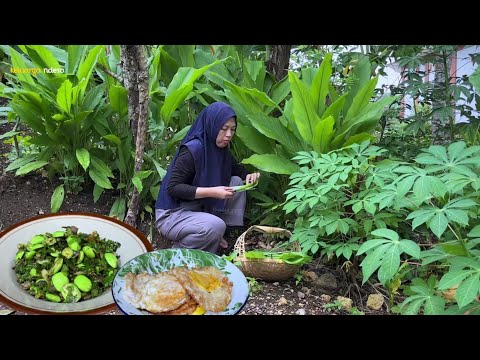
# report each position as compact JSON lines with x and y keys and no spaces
{"x":265,"y":269}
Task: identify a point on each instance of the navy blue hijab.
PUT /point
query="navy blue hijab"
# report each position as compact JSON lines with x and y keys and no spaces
{"x":213,"y":165}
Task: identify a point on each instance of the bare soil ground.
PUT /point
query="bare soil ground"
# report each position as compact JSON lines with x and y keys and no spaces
{"x":313,"y":292}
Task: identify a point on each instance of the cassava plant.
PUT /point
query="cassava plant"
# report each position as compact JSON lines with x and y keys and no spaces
{"x":349,"y":198}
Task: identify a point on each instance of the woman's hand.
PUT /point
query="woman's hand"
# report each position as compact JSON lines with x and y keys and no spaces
{"x":251,"y":178}
{"x":222,"y":192}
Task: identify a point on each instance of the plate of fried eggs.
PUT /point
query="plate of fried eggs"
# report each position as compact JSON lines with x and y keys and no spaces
{"x":180,"y":282}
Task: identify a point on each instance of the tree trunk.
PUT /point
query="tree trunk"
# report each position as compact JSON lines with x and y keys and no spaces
{"x":279,"y":61}
{"x":441,"y":101}
{"x":130,"y":69}
{"x":135,"y":70}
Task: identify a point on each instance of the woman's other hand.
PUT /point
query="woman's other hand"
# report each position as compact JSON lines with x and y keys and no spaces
{"x":251,"y":178}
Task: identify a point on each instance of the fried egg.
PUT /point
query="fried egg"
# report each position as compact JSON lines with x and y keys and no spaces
{"x":155,"y":293}
{"x":207,"y":285}
{"x":188,"y":308}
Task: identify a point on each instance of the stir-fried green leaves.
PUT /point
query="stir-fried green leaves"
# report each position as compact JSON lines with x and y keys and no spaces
{"x":66,"y":266}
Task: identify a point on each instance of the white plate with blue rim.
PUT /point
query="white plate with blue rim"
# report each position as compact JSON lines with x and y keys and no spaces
{"x":163,"y":260}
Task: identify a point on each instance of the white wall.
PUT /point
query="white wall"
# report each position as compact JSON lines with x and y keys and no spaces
{"x":465,"y":67}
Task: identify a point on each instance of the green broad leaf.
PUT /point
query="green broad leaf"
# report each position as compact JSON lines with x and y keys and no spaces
{"x":101,"y":167}
{"x":434,"y":305}
{"x":280,"y":91}
{"x":29,"y":116}
{"x":9,"y":134}
{"x":180,"y":87}
{"x":83,"y":158}
{"x":19,"y":63}
{"x":461,"y":262}
{"x":18,"y":163}
{"x":255,"y":140}
{"x":57,"y":199}
{"x":274,"y":129}
{"x":75,"y":55}
{"x":475,"y":80}
{"x":410,"y":247}
{"x":331,"y":228}
{"x":154,"y":190}
{"x":100,"y":178}
{"x":290,"y":206}
{"x":357,"y":207}
{"x":113,"y":138}
{"x":452,"y":278}
{"x":437,"y":187}
{"x":459,"y":216}
{"x":160,"y":170}
{"x":414,"y":306}
{"x":468,"y":290}
{"x":247,"y":101}
{"x":307,"y":75}
{"x":456,"y":149}
{"x":370,"y":244}
{"x":64,"y":96}
{"x":34,"y":165}
{"x":93,"y":97}
{"x":439,"y":152}
{"x":319,"y":87}
{"x":422,"y":290}
{"x":118,"y":99}
{"x":462,"y":204}
{"x":255,"y":254}
{"x":427,"y":159}
{"x":358,"y":78}
{"x":454,"y":249}
{"x":182,"y":54}
{"x":304,"y":112}
{"x":138,"y":183}
{"x":347,"y":253}
{"x":386,"y":233}
{"x":421,"y":188}
{"x":475,"y":232}
{"x":390,"y":264}
{"x":334,"y":110}
{"x":272,"y":163}
{"x":118,"y":209}
{"x":322,"y":134}
{"x":373,"y":261}
{"x":420,"y":216}
{"x":430,"y":256}
{"x":358,"y":139}
{"x":97,"y":192}
{"x":370,"y":208}
{"x":438,"y":224}
{"x":85,"y":69}
{"x":58,"y":117}
{"x":361,"y":99}
{"x":178,"y":136}
{"x":143,"y":174}
{"x":43,"y":57}
{"x":245,"y":187}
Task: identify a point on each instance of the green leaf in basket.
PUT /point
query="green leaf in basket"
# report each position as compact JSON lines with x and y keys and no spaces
{"x":255,"y":254}
{"x":295,"y":258}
